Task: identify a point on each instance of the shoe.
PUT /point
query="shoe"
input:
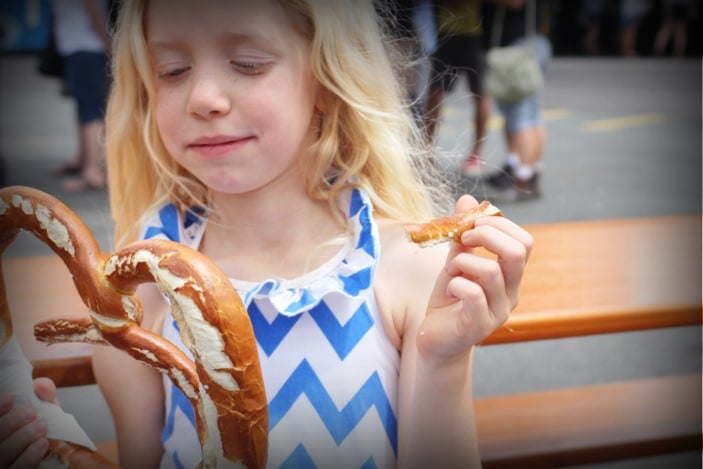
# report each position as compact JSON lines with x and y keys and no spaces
{"x":501,"y":179}
{"x":472,"y":166}
{"x":68,"y":169}
{"x":518,"y":190}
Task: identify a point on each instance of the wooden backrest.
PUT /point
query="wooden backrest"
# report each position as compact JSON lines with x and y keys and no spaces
{"x":583,"y":278}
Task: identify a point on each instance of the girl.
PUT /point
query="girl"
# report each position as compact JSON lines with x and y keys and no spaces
{"x":272,"y":136}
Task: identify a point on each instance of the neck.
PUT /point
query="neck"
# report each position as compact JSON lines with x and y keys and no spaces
{"x":256,"y":236}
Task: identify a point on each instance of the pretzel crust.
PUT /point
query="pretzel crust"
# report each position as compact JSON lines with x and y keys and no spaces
{"x":450,"y":227}
{"x":224,"y":381}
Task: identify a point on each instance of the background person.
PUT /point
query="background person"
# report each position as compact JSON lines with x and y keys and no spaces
{"x":81,"y":35}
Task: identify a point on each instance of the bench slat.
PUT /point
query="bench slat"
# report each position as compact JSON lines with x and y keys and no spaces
{"x":590,"y":424}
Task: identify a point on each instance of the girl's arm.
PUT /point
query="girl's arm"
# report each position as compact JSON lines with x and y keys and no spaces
{"x":443,"y":300}
{"x":134,"y":393}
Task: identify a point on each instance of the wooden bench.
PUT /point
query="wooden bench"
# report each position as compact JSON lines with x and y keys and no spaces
{"x":584,"y":278}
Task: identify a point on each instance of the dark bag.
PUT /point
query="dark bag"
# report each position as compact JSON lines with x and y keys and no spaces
{"x":514,"y":72}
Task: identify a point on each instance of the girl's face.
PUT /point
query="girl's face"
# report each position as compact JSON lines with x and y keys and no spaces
{"x":235,"y":95}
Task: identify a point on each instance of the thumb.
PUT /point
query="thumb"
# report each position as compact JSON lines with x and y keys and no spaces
{"x":440,"y":296}
{"x":45,"y":389}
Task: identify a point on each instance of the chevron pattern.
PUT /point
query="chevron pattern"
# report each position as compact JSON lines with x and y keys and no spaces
{"x":339,"y":423}
{"x":269,"y":336}
{"x":331,"y":373}
{"x":301,"y":459}
{"x":343,"y":338}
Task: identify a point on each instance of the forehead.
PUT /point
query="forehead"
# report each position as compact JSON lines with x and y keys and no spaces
{"x":188,"y":20}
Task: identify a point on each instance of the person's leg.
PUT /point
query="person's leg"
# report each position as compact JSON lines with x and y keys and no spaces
{"x":93,"y":169}
{"x":525,"y":140}
{"x":482,"y":114}
{"x":474,"y":64}
{"x":442,"y":77}
{"x":473,"y":164}
{"x":92,"y":175}
{"x":74,"y":166}
{"x":432,"y":111}
{"x":529,"y":143}
{"x":87,"y":75}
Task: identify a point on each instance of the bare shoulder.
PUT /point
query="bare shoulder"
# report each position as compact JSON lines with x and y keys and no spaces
{"x":405,"y":277}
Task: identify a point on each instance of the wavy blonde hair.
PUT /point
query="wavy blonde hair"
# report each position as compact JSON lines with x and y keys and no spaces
{"x":368,"y":138}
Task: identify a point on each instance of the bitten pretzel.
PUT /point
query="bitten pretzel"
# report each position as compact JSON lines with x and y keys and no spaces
{"x":450,"y":227}
{"x":223,"y":383}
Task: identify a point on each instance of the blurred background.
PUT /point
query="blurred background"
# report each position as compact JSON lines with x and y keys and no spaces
{"x":624,"y":133}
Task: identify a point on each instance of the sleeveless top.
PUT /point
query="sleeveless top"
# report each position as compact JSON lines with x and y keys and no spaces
{"x":330,"y":371}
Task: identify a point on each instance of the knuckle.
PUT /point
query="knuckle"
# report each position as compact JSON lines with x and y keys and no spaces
{"x":473,"y":293}
{"x":493,"y":272}
{"x":516,"y":255}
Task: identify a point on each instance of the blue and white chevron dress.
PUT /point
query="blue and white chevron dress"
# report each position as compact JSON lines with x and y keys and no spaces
{"x":330,"y":371}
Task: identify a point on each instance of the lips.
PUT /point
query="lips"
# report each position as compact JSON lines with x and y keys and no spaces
{"x":217,"y":146}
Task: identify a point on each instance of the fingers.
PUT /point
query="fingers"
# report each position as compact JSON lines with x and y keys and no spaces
{"x":440,"y":295}
{"x":474,"y":294}
{"x":465,"y":202}
{"x":511,"y":244}
{"x":487,"y":274}
{"x":23,"y":441}
{"x":33,"y":455}
{"x":45,"y":389}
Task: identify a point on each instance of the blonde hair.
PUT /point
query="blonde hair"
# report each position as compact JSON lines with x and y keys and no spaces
{"x":368,"y":138}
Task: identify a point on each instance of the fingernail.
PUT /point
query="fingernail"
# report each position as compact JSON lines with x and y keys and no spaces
{"x":466,"y":236}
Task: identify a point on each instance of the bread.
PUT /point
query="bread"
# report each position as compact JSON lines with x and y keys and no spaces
{"x":223,"y":383}
{"x":450,"y":227}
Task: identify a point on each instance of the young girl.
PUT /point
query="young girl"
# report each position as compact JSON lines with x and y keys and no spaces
{"x":272,"y":136}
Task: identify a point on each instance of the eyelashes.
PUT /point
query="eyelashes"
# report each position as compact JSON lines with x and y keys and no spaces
{"x":172,"y":74}
{"x":250,"y":68}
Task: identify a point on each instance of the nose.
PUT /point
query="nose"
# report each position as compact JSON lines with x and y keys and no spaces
{"x":208,"y":97}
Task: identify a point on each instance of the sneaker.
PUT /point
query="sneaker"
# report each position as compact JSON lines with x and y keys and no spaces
{"x":472,"y":166}
{"x":518,"y":190}
{"x":502,"y":178}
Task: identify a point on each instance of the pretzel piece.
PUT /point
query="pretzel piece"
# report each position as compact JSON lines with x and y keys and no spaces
{"x":450,"y":227}
{"x":223,"y":383}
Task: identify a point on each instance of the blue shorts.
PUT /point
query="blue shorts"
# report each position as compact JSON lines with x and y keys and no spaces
{"x":527,"y":113}
{"x":86,"y":77}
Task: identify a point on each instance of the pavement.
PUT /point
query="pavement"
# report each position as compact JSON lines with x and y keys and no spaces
{"x":624,"y":140}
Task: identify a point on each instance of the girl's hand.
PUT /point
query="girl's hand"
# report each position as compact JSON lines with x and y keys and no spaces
{"x":23,"y":441}
{"x":475,"y":294}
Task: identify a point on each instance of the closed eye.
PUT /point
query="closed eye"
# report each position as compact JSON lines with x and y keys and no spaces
{"x":172,"y":74}
{"x":250,"y":68}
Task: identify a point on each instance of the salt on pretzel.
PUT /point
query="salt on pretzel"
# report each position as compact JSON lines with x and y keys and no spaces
{"x":223,"y":382}
{"x":450,"y":227}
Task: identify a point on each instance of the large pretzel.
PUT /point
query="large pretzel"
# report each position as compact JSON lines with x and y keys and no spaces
{"x":223,"y":383}
{"x":450,"y":227}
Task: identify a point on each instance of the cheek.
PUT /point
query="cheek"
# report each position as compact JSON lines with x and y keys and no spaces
{"x":166,"y":118}
{"x":295,"y":110}
{"x":164,"y":112}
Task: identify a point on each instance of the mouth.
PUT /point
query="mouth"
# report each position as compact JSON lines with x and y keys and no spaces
{"x":217,"y":146}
